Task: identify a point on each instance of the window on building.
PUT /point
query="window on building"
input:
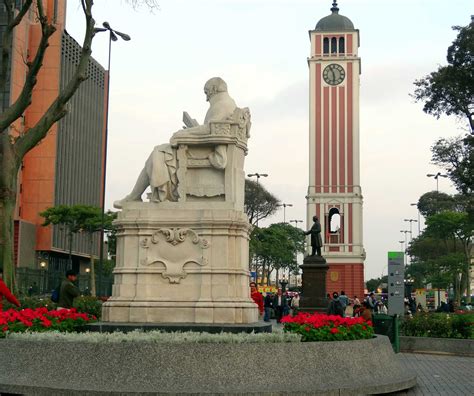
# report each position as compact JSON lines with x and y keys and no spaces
{"x":341,"y":45}
{"x":334,"y":45}
{"x":334,"y":221}
{"x":326,"y":45}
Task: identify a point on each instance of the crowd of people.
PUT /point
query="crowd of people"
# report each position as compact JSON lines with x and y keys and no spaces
{"x":279,"y":304}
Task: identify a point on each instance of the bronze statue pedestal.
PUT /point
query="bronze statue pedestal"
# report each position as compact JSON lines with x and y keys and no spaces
{"x":313,"y":298}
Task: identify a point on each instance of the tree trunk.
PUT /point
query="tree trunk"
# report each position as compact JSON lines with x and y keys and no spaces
{"x":8,"y":190}
{"x":467,"y":251}
{"x":91,"y":243}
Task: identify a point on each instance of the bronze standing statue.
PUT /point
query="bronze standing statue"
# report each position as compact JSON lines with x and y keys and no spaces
{"x":316,"y":241}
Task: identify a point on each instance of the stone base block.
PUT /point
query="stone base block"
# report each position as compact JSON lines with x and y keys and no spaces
{"x":179,"y":312}
{"x":213,"y":328}
{"x":181,"y":263}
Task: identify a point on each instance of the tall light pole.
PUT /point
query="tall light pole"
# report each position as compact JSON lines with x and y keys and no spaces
{"x":401,"y":247}
{"x":113,"y":36}
{"x":411,"y":221}
{"x":418,"y":210}
{"x":284,"y":210}
{"x":404,"y":252}
{"x":258,"y":176}
{"x":296,"y":258}
{"x":436,"y":177}
{"x":296,"y":222}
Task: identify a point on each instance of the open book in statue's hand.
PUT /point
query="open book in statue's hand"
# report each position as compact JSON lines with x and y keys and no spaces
{"x":188,"y":121}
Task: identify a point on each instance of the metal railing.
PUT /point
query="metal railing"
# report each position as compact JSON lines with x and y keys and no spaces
{"x":40,"y":282}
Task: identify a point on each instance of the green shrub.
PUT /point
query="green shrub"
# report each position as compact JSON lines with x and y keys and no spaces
{"x":89,"y":304}
{"x":439,"y":325}
{"x":30,"y":302}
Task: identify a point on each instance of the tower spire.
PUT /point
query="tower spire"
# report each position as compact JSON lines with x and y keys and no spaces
{"x":335,"y":8}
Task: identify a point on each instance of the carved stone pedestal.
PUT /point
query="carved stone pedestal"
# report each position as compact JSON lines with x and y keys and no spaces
{"x":313,"y":297}
{"x":181,"y":263}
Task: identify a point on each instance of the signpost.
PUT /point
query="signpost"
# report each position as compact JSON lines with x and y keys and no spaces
{"x":396,"y":291}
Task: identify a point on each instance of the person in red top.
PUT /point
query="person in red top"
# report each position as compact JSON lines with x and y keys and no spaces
{"x":5,"y":292}
{"x":256,"y":297}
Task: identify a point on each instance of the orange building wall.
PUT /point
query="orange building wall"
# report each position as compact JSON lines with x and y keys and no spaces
{"x":38,"y":171}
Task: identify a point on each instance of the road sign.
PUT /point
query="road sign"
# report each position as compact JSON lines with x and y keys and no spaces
{"x":396,"y":285}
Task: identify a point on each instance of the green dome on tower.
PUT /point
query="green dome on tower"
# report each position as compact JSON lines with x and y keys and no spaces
{"x":335,"y":21}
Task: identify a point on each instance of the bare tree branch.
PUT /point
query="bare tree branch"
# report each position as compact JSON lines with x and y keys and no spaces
{"x":7,"y":35}
{"x":24,"y":99}
{"x":57,"y":110}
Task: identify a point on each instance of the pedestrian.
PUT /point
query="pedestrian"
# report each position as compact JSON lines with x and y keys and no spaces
{"x":280,"y":305}
{"x":366,"y":311}
{"x":372,"y":301}
{"x":68,"y":291}
{"x":344,"y":301}
{"x":267,"y":305}
{"x":355,"y":306}
{"x":5,"y":292}
{"x":295,"y":304}
{"x":335,"y":306}
{"x":256,"y":297}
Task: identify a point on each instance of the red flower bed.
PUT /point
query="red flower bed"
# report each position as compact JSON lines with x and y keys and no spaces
{"x":321,"y":327}
{"x":40,"y":319}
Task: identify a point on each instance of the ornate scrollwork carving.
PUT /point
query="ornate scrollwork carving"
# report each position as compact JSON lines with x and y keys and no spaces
{"x":183,"y":246}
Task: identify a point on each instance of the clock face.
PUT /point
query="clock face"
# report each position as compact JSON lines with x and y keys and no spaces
{"x":334,"y":74}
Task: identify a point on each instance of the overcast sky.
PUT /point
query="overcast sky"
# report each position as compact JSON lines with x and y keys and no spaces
{"x":260,"y":48}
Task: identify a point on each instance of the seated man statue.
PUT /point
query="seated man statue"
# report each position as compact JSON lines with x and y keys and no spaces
{"x":160,"y":168}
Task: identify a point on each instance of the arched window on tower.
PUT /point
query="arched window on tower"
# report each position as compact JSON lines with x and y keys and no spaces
{"x":341,"y":45}
{"x":334,"y":45}
{"x":335,"y":225}
{"x":326,"y":45}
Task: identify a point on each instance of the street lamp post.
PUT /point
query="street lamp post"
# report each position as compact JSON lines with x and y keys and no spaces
{"x":415,"y":204}
{"x":296,"y":255}
{"x":436,"y":177}
{"x":411,"y":221}
{"x":401,"y":245}
{"x":296,"y":222}
{"x":284,"y":210}
{"x":404,"y":253}
{"x":258,"y":176}
{"x":113,"y":36}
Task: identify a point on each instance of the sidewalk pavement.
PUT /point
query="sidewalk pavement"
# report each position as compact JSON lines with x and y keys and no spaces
{"x":439,"y":374}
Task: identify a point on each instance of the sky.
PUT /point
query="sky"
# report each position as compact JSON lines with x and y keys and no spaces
{"x":260,"y":48}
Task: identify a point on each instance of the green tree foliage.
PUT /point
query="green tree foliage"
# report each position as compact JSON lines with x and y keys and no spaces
{"x":450,"y":89}
{"x":375,"y":283}
{"x":433,"y":202}
{"x":259,"y":202}
{"x":456,"y":155}
{"x":276,"y":247}
{"x":443,"y":251}
{"x":80,"y":219}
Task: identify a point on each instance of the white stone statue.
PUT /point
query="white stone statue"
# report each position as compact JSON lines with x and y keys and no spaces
{"x":183,"y":258}
{"x":160,"y":170}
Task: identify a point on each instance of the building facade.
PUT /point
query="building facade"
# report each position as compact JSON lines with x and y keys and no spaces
{"x":334,"y":192}
{"x":66,"y":167}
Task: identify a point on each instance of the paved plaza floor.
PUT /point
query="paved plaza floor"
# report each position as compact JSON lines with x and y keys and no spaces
{"x":439,"y":374}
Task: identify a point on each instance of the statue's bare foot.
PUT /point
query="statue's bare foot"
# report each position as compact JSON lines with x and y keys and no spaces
{"x":119,"y":204}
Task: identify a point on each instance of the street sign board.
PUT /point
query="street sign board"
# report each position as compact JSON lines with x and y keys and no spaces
{"x":396,"y":285}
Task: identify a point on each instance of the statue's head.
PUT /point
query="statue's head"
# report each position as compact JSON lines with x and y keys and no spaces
{"x":214,"y":86}
{"x":315,"y":218}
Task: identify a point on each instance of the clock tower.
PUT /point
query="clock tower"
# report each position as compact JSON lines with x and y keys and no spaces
{"x":334,"y":192}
